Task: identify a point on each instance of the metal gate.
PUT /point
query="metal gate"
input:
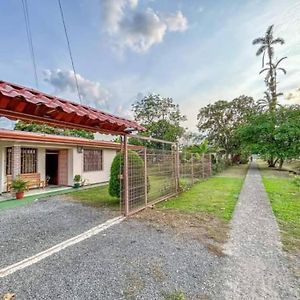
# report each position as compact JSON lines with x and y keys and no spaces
{"x":154,"y":170}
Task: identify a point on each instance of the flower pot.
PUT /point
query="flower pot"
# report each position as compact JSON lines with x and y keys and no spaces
{"x":19,"y":195}
{"x":76,"y":185}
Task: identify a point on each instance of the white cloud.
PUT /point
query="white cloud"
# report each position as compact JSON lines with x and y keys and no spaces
{"x":294,"y":96}
{"x":138,"y":30}
{"x":63,"y":81}
{"x":176,"y":22}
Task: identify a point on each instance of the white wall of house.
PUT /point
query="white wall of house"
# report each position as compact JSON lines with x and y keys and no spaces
{"x":94,"y":176}
{"x":75,"y":163}
{"x":41,"y":163}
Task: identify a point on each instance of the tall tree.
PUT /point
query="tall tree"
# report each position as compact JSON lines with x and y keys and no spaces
{"x":270,"y":136}
{"x":160,"y":116}
{"x":220,"y":120}
{"x":267,"y":44}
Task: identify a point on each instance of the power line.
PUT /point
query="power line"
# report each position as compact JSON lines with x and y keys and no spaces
{"x":69,"y":47}
{"x":30,"y":41}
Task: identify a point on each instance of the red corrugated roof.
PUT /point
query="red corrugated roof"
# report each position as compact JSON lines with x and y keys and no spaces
{"x":21,"y":103}
{"x":23,"y":136}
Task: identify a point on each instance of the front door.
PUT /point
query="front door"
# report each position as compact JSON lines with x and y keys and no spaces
{"x":52,"y":167}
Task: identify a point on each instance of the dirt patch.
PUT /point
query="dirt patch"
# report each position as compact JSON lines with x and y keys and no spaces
{"x":209,"y":230}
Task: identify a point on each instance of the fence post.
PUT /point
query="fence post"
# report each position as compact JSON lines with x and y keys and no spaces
{"x":146,"y":176}
{"x":210,"y":165}
{"x":125,"y":177}
{"x":192,"y":160}
{"x":203,"y":167}
{"x":177,"y":167}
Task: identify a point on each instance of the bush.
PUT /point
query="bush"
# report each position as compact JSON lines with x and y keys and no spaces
{"x":136,"y":171}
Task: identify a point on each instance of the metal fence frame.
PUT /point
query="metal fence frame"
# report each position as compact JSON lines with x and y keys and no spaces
{"x":135,"y":195}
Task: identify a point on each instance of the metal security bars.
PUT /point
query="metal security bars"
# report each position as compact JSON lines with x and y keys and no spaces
{"x":154,"y":170}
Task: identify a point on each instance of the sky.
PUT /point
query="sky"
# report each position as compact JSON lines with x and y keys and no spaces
{"x":195,"y":51}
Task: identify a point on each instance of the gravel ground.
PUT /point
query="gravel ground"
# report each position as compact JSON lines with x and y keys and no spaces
{"x":27,"y":230}
{"x":136,"y":260}
{"x":132,"y":260}
{"x":256,"y":267}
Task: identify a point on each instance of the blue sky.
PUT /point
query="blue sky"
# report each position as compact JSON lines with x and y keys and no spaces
{"x":192,"y":50}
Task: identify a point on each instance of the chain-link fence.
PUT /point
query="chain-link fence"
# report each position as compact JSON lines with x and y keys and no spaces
{"x":155,"y":170}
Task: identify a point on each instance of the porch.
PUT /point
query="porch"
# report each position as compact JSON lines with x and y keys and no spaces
{"x":47,"y":191}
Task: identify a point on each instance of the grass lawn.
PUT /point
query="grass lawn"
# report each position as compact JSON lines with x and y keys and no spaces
{"x":285,"y":200}
{"x":96,"y":196}
{"x":216,"y":195}
{"x":203,"y":212}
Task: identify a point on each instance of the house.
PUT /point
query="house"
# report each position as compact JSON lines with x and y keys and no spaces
{"x":53,"y":160}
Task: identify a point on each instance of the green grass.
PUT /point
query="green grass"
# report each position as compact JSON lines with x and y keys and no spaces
{"x":97,"y":196}
{"x":285,"y":200}
{"x":217,"y":195}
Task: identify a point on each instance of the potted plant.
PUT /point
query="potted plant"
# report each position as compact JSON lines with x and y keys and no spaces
{"x":19,"y":186}
{"x":77,"y":181}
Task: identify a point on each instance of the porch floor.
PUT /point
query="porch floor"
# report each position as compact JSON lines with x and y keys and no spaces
{"x":35,"y":192}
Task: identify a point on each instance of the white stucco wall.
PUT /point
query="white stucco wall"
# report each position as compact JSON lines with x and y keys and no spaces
{"x":94,"y":176}
{"x":41,"y":166}
{"x":75,"y":164}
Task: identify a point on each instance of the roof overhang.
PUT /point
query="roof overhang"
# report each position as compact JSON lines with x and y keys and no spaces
{"x":21,"y":103}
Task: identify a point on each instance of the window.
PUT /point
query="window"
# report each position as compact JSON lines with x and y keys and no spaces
{"x":92,"y":160}
{"x":28,"y":160}
{"x":8,"y":161}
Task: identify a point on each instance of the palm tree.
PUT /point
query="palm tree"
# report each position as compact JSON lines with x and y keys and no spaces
{"x":267,"y":47}
{"x":267,"y":103}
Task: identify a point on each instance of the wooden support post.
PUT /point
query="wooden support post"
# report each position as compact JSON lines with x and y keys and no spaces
{"x":125,"y":177}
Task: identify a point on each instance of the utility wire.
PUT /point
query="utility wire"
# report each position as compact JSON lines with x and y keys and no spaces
{"x":30,"y":41}
{"x":69,"y":47}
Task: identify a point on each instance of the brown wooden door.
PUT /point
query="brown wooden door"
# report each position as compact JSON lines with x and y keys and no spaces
{"x":63,"y":167}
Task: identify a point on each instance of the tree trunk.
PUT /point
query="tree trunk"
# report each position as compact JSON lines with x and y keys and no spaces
{"x":281,"y":161}
{"x":271,"y":162}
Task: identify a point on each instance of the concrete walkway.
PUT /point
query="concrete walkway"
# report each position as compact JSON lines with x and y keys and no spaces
{"x":256,"y":267}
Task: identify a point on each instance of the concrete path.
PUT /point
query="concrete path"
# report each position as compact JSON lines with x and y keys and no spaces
{"x":256,"y":266}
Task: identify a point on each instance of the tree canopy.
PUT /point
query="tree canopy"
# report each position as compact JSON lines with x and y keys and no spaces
{"x":276,"y":136}
{"x":220,"y":120}
{"x":160,"y":116}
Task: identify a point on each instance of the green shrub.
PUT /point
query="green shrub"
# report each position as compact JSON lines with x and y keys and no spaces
{"x":136,"y":172}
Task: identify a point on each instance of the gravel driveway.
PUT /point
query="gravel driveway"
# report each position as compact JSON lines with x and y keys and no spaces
{"x":132,"y":260}
{"x":27,"y":230}
{"x":137,"y":260}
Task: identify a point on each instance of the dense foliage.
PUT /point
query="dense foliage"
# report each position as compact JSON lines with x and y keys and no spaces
{"x":136,"y":166}
{"x":274,"y":135}
{"x":220,"y":120}
{"x":160,"y":116}
{"x":43,"y":128}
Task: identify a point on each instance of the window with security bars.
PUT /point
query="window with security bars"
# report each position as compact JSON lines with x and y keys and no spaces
{"x":92,"y":160}
{"x":8,"y":161}
{"x":28,"y":160}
